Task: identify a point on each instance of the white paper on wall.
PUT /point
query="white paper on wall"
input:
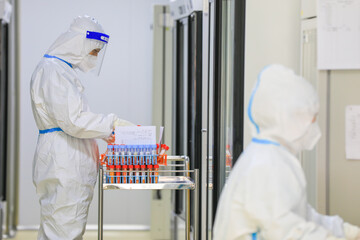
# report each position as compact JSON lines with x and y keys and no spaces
{"x":135,"y":135}
{"x":338,"y":34}
{"x":352,"y":132}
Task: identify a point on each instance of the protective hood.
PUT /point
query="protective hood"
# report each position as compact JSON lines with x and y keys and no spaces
{"x":73,"y":46}
{"x":282,"y":107}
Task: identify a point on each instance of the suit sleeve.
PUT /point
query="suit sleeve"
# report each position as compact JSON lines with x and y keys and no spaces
{"x":65,"y":104}
{"x":272,"y":201}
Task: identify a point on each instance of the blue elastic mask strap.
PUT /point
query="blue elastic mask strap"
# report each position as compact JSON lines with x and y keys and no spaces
{"x":252,"y":99}
{"x":264,"y":141}
{"x":50,"y":56}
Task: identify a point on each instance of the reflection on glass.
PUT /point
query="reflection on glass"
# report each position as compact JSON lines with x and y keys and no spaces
{"x":211,"y":123}
{"x":228,"y":79}
{"x":309,"y":72}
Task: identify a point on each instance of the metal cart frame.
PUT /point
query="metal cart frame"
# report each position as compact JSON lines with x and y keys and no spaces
{"x":164,"y":183}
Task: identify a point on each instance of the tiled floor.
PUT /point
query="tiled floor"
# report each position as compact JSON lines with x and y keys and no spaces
{"x":92,"y":235}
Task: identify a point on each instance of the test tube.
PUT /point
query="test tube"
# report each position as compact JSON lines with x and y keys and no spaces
{"x":103,"y":164}
{"x":153,"y":154}
{"x":147,"y":153}
{"x":137,"y":153}
{"x":156,"y":174}
{"x":116,"y":154}
{"x":157,"y":148}
{"x":122,"y":153}
{"x":161,"y":147}
{"x":112,"y":173}
{"x":150,"y":168}
{"x":125,"y":154}
{"x":162,"y":157}
{"x":134,"y":154}
{"x":141,"y":154}
{"x":118,"y":177}
{"x":128,"y":150}
{"x":124,"y":177}
{"x":137,"y":173}
{"x":131,"y":174}
{"x":107,"y":174}
{"x":143,"y":174}
{"x":110,"y":149}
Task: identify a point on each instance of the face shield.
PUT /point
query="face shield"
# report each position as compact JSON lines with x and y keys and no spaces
{"x":97,"y":44}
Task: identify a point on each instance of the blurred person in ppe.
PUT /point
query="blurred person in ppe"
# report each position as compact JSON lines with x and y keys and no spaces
{"x":66,"y":159}
{"x":265,"y":195}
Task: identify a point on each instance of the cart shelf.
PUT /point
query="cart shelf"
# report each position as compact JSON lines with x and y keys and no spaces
{"x":167,"y":180}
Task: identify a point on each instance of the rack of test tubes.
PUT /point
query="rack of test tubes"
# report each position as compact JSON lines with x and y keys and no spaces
{"x":146,"y":167}
{"x":129,"y":164}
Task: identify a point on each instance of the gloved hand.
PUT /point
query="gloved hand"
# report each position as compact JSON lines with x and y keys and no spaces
{"x":110,"y":139}
{"x":351,"y":232}
{"x":121,"y":122}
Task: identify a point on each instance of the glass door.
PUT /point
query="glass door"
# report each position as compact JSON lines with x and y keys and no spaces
{"x":4,"y":85}
{"x":226,"y":95}
{"x":188,"y":111}
{"x":195,"y":107}
{"x":181,"y":92}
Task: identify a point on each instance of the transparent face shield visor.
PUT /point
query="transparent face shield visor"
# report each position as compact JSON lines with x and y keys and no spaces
{"x":99,"y":42}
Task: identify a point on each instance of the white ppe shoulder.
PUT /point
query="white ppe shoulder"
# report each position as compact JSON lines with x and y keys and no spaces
{"x":273,"y":204}
{"x":65,"y":105}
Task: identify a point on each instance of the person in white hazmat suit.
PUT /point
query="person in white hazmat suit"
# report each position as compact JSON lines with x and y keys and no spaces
{"x":265,"y":195}
{"x":66,"y":157}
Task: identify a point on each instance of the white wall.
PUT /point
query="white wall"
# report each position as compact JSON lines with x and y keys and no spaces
{"x":124,"y":87}
{"x":272,"y":36}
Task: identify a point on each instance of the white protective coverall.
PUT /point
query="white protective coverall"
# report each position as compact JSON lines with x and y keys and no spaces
{"x":265,"y":195}
{"x":66,"y":157}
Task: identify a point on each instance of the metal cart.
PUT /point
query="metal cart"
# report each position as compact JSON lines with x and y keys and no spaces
{"x":167,"y":181}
